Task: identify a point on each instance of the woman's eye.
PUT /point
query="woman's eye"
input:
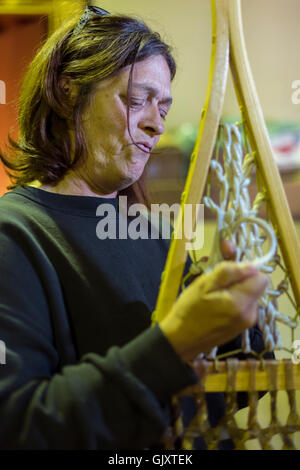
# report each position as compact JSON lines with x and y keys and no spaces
{"x":136,"y":103}
{"x":163,"y":115}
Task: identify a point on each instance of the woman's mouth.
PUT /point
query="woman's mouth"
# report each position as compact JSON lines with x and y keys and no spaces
{"x":144,"y":146}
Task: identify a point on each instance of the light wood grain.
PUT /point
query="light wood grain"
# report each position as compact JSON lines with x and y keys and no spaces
{"x":217,"y":381}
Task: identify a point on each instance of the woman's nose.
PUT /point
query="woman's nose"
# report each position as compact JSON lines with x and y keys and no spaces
{"x":152,"y":122}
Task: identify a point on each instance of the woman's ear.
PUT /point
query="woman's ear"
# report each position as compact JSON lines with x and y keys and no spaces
{"x":69,"y":88}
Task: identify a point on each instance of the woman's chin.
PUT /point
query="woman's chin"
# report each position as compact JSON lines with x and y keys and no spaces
{"x":129,"y":178}
{"x":119,"y":180}
{"x":126,"y":182}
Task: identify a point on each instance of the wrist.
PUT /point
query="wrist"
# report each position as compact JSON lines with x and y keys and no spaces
{"x":172,"y":330}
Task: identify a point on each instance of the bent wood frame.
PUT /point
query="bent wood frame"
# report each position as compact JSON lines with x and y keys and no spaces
{"x":228,"y":47}
{"x":216,"y":379}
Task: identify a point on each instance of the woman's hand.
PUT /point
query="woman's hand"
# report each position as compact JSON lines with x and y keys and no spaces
{"x":214,"y":309}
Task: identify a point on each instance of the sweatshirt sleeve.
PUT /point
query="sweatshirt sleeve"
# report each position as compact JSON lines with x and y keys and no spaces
{"x":112,"y":402}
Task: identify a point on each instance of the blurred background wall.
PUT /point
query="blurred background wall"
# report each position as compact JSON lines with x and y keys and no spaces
{"x":16,"y":53}
{"x":272,"y":36}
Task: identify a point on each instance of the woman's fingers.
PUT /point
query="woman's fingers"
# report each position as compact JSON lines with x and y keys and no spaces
{"x":225,"y":275}
{"x":228,"y":250}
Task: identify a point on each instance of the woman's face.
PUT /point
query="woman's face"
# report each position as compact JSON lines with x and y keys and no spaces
{"x":114,"y":162}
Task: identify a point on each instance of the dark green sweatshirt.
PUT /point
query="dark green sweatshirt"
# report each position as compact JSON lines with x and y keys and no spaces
{"x":83,"y":369}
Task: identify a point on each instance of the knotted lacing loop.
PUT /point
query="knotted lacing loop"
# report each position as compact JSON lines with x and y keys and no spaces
{"x":232,"y":369}
{"x":293,"y":418}
{"x":202,"y":266}
{"x":200,"y":366}
{"x":235,"y":209}
{"x":260,"y":261}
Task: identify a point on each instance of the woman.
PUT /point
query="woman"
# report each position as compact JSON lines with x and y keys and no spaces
{"x":84,"y":370}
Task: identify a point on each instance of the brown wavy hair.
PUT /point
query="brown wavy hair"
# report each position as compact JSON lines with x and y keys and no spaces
{"x":104,"y":46}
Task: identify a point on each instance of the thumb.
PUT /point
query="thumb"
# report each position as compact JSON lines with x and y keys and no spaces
{"x":229,"y":273}
{"x":246,"y":294}
{"x":255,"y":285}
